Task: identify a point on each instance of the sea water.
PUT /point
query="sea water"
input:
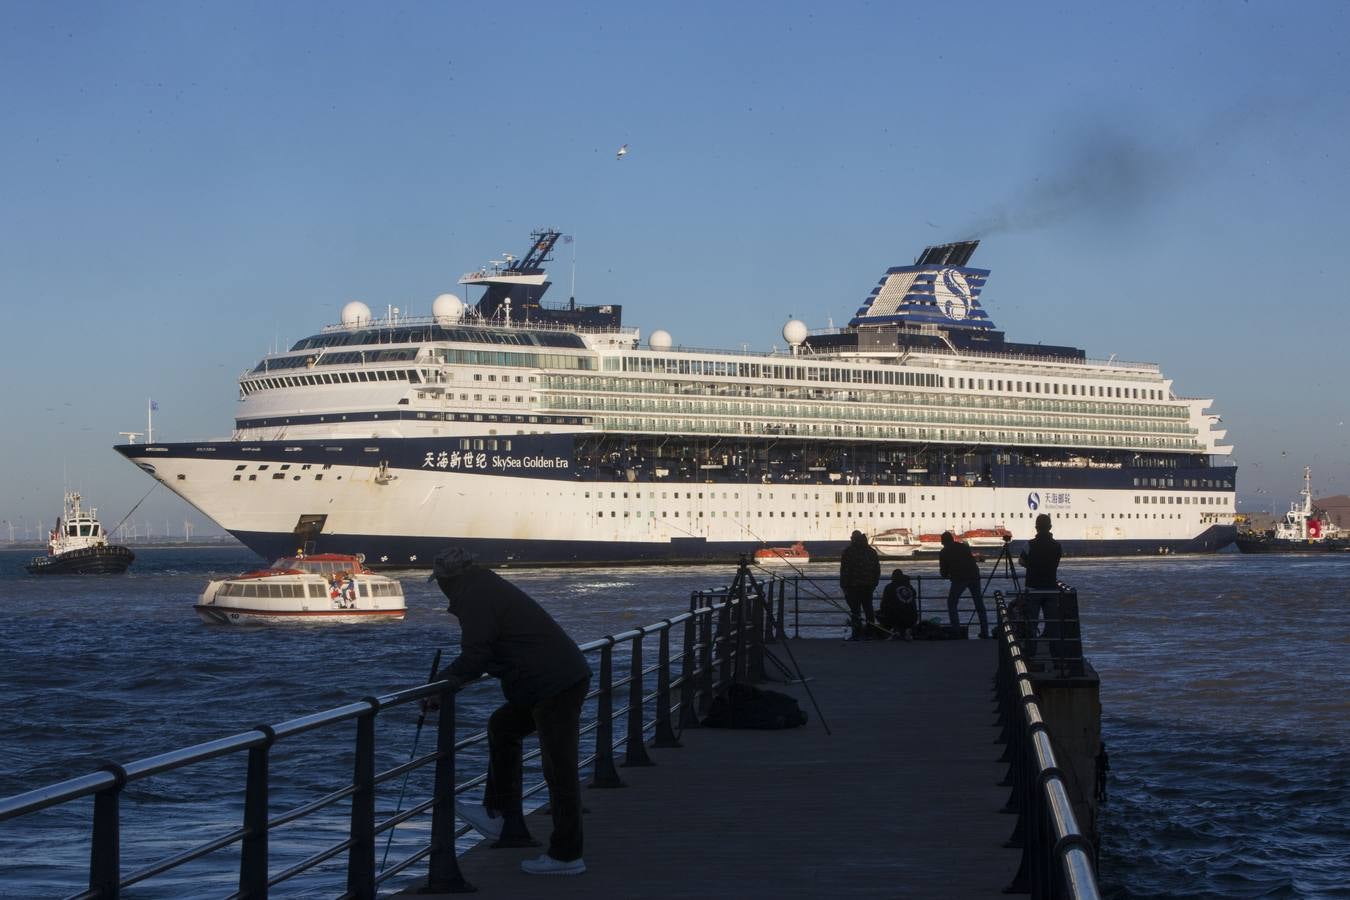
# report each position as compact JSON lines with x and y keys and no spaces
{"x":1225,"y":687}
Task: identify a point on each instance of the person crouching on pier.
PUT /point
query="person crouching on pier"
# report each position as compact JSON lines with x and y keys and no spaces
{"x":859,"y":574}
{"x":545,"y":678}
{"x":898,"y":611}
{"x":957,"y":563}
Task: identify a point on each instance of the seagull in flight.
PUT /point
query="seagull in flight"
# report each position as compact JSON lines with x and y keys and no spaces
{"x":623,"y":151}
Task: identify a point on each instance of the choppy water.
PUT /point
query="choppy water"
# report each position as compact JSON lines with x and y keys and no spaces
{"x":1224,"y":690}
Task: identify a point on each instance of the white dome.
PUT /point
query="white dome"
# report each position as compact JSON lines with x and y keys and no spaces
{"x":794,"y":332}
{"x":660,"y":340}
{"x":447,"y":308}
{"x":355,"y":314}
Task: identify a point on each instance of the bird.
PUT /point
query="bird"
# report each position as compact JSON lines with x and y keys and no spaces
{"x":623,"y":151}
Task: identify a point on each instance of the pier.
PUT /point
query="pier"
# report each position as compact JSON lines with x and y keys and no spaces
{"x":940,"y":774}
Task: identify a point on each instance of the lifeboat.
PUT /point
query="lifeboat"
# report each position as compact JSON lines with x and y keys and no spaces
{"x":796,"y":555}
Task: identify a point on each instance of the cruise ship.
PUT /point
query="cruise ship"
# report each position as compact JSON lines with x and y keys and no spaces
{"x":541,"y":433}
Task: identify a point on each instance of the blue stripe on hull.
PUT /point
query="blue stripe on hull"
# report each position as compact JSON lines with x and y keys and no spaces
{"x":414,"y":552}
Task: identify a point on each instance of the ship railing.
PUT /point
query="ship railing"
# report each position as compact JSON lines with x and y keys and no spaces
{"x":475,"y":321}
{"x":719,"y":639}
{"x":1057,"y":858}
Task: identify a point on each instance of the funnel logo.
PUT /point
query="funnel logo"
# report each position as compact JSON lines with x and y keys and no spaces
{"x":1033,"y":501}
{"x":951,"y":291}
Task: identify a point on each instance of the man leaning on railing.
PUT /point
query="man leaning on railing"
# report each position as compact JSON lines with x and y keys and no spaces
{"x":545,"y":678}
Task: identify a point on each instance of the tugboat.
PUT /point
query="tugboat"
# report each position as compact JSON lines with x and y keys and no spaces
{"x":78,"y":545}
{"x":324,"y":587}
{"x":1303,"y":529}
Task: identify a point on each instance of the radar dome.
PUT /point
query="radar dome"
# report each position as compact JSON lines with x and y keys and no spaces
{"x":660,"y":340}
{"x":355,"y":313}
{"x":447,"y":308}
{"x":794,"y":332}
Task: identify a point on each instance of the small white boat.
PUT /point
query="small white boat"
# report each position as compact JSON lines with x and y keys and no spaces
{"x":796,"y":555}
{"x":326,"y":587}
{"x":896,"y":543}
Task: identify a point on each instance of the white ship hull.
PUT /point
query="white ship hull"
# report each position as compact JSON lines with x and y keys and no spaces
{"x":402,"y":516}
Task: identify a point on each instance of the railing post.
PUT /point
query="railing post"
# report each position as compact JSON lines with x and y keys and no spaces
{"x":723,"y":641}
{"x":705,"y":667}
{"x":741,"y":660}
{"x":253,"y":852}
{"x":443,"y":875}
{"x":665,"y":735}
{"x":604,"y":774}
{"x":688,"y":672}
{"x":780,"y":625}
{"x":755,"y":659}
{"x":635,"y":753}
{"x":105,"y":850}
{"x":361,"y":856}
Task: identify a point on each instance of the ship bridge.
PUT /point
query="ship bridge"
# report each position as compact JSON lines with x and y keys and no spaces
{"x":515,"y":289}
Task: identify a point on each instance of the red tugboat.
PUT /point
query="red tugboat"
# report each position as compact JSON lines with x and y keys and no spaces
{"x":1303,"y":529}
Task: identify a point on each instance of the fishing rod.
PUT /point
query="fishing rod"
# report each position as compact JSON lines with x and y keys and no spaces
{"x":421,"y":720}
{"x":744,"y":575}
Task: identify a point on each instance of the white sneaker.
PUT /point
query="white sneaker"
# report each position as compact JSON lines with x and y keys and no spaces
{"x":547,"y":865}
{"x":482,"y":821}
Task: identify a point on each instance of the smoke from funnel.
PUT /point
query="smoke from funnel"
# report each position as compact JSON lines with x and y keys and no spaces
{"x":1107,"y":176}
{"x":1104,"y":177}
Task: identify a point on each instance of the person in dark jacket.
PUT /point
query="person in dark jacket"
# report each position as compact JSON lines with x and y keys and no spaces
{"x":544,"y":677}
{"x":859,"y":574}
{"x":1041,"y":560}
{"x":957,"y":564}
{"x":898,"y":610}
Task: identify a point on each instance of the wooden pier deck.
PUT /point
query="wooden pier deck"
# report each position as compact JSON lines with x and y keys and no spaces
{"x":902,"y":799}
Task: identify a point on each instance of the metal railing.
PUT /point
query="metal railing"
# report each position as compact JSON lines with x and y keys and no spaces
{"x":716,"y":645}
{"x":806,"y":603}
{"x":1057,"y":858}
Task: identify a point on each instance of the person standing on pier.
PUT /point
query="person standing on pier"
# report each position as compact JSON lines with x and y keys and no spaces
{"x":1041,"y":560}
{"x":859,"y":574}
{"x":545,"y":678}
{"x":957,"y":564}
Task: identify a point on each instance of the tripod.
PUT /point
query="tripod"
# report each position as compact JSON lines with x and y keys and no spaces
{"x":745,"y":585}
{"x":1009,"y":571}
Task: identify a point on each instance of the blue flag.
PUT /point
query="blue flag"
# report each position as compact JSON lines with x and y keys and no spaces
{"x":154,"y":405}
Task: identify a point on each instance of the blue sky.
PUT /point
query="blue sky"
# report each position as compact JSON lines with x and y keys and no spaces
{"x":182,"y":185}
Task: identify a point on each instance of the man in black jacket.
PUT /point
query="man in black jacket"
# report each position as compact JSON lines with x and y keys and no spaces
{"x":957,"y":563}
{"x":1041,"y":560}
{"x":545,"y":678}
{"x":859,"y":574}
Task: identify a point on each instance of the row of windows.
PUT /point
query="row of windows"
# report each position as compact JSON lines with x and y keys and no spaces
{"x":797,"y":411}
{"x":252,"y":385}
{"x":885,"y":376}
{"x":760,"y":514}
{"x":738,"y":426}
{"x":420,"y":334}
{"x":310,"y":590}
{"x":352,"y":357}
{"x":1184,"y":500}
{"x":593,"y":384}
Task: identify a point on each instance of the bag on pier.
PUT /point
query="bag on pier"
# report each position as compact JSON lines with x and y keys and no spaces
{"x":743,"y":706}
